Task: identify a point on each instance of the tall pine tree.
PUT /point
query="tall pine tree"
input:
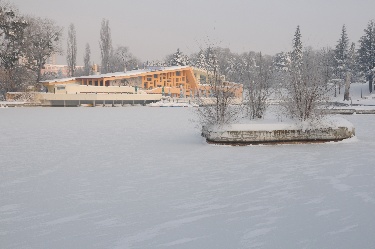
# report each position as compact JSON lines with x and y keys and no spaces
{"x":341,"y":54}
{"x":297,"y":53}
{"x":366,"y":53}
{"x":201,"y":60}
{"x":179,"y":59}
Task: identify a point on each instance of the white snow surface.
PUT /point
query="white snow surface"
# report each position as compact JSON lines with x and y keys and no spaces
{"x":366,"y":102}
{"x":142,"y":177}
{"x":273,"y":124}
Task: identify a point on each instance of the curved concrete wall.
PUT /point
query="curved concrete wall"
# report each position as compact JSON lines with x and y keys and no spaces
{"x":278,"y":136}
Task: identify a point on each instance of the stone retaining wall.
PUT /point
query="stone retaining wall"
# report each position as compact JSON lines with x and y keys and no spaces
{"x":278,"y":136}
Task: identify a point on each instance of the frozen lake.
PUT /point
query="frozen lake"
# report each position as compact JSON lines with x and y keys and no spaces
{"x":142,"y":177}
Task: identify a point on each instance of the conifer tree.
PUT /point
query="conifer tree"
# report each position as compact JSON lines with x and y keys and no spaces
{"x":296,"y":55}
{"x":305,"y":86}
{"x":341,"y":56}
{"x":179,"y":59}
{"x":366,"y":53}
{"x":201,"y":60}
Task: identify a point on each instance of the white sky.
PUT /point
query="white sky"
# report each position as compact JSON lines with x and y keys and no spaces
{"x":154,"y":28}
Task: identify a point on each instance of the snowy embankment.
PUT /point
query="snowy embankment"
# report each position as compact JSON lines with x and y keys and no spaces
{"x":329,"y":129}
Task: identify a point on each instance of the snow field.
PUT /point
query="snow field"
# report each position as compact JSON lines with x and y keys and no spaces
{"x":142,"y":177}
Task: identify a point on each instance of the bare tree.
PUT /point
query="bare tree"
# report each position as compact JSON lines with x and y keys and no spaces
{"x":105,"y":44}
{"x":43,"y":39}
{"x":328,"y":60}
{"x":86,"y":60}
{"x":122,"y":60}
{"x":12,"y":27}
{"x":71,"y":51}
{"x":217,"y":97}
{"x":257,"y":76}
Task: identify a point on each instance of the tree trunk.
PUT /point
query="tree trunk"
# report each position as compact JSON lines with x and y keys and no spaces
{"x":347,"y":87}
{"x":370,"y":79}
{"x":39,"y":75}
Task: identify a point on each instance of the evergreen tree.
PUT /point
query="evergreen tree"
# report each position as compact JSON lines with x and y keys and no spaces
{"x":366,"y":53}
{"x":304,"y":83}
{"x":179,"y":59}
{"x":341,"y":54}
{"x":297,"y":53}
{"x":341,"y":57}
{"x":281,"y":61}
{"x":211,"y":60}
{"x":201,"y":60}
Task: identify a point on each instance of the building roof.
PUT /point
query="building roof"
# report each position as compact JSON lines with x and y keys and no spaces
{"x":119,"y":75}
{"x":133,"y":72}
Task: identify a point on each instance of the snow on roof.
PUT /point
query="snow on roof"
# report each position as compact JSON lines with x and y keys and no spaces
{"x":133,"y":72}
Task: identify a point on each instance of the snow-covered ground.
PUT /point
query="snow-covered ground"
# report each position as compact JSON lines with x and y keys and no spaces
{"x":364,"y":102}
{"x":142,"y":177}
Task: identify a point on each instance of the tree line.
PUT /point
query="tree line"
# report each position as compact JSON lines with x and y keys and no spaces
{"x":26,"y":43}
{"x":303,"y":80}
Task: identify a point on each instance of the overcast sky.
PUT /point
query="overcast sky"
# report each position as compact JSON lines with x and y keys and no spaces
{"x":154,"y":28}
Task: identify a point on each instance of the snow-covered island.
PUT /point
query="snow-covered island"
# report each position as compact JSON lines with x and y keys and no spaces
{"x":330,"y":129}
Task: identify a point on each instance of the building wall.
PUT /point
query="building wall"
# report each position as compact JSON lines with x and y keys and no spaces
{"x":181,"y":82}
{"x":75,"y":89}
{"x":174,"y":82}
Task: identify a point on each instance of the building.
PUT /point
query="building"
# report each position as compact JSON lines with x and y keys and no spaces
{"x":144,"y":85}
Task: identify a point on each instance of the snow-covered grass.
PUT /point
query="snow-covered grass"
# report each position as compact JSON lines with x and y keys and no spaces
{"x":142,"y":177}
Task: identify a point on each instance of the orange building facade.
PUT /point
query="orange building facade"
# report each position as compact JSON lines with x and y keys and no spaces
{"x":175,"y":81}
{"x":172,"y":81}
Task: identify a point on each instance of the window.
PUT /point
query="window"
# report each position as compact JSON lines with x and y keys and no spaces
{"x":155,"y":75}
{"x":178,"y":73}
{"x":60,"y":88}
{"x":148,"y":79}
